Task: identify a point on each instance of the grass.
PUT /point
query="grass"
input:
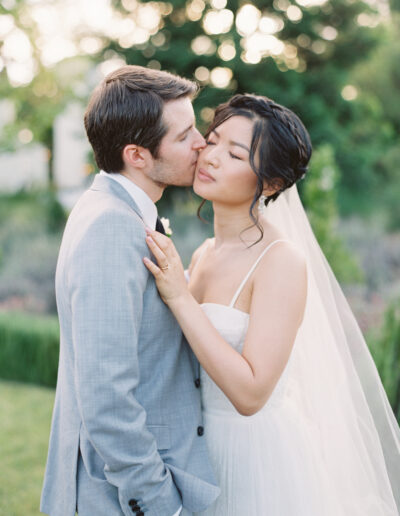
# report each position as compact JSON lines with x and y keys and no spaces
{"x":25,"y":416}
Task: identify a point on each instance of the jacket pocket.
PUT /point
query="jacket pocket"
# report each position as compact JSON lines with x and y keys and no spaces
{"x":162,"y":436}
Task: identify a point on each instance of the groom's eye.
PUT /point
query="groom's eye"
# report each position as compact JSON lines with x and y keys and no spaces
{"x":209,"y":142}
{"x":183,"y":137}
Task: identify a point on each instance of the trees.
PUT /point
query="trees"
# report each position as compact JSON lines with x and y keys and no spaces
{"x":301,"y":54}
{"x":318,"y":57}
{"x":378,"y":80}
{"x":36,"y":91}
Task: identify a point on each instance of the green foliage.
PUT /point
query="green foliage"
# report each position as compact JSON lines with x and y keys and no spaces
{"x":371,"y":154}
{"x":37,"y":104}
{"x":29,"y":348}
{"x":55,"y":212}
{"x":308,"y":77}
{"x":326,"y":48}
{"x":320,"y":198}
{"x":31,"y":225}
{"x":39,"y":209}
{"x":385,"y":348}
{"x":24,"y":432}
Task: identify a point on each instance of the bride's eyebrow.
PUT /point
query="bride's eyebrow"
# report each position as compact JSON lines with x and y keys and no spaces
{"x":239,"y":145}
{"x":231,"y":142}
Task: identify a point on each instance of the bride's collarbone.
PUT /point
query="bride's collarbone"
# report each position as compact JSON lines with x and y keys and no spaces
{"x":219,"y":273}
{"x":217,"y":280}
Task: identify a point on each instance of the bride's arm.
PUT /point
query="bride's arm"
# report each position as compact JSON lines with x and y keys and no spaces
{"x":277,"y":307}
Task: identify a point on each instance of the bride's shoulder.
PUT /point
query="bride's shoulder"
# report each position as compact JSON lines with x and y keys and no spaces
{"x":198,"y":253}
{"x":281,"y":248}
{"x":284,"y":270}
{"x":283,"y":259}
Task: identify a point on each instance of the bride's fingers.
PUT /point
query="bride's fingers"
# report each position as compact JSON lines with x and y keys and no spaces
{"x":163,"y":242}
{"x":157,"y":252}
{"x":152,"y":267}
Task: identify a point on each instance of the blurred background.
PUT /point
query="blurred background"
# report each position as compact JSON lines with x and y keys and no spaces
{"x":334,"y":62}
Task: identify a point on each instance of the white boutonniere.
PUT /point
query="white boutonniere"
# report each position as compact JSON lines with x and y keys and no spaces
{"x":167,"y":227}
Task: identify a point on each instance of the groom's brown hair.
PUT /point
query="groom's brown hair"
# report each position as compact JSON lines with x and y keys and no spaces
{"x":127,"y":108}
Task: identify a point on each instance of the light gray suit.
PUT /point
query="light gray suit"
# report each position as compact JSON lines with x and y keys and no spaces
{"x":126,"y":435}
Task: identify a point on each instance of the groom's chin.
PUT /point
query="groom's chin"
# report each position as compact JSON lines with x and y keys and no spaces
{"x":185,"y":181}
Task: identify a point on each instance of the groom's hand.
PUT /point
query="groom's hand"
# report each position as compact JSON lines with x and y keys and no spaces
{"x":168,"y":273}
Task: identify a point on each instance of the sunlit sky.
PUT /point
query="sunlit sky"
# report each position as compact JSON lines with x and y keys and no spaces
{"x":75,"y":27}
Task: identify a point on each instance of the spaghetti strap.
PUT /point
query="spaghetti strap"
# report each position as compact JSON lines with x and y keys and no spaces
{"x":239,"y":290}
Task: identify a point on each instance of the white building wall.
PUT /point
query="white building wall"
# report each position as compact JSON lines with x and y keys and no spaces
{"x":70,"y":149}
{"x":24,"y":168}
{"x":28,"y":166}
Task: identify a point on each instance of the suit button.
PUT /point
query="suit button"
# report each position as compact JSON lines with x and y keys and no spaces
{"x":135,"y":508}
{"x":197,"y":383}
{"x":132,"y":502}
{"x":200,"y":431}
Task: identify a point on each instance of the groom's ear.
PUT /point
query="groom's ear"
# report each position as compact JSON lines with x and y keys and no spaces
{"x":136,"y":156}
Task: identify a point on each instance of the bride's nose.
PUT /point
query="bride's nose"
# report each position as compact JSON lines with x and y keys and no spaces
{"x":211,"y":156}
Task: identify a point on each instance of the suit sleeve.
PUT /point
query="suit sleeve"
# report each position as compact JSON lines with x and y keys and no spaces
{"x":106,"y":281}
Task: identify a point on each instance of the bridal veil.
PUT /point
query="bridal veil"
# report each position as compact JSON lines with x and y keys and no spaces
{"x":335,"y":383}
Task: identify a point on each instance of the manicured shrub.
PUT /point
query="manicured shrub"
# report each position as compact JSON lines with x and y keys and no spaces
{"x":29,"y":348}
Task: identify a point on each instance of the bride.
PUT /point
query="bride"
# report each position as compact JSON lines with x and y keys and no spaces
{"x":296,"y":419}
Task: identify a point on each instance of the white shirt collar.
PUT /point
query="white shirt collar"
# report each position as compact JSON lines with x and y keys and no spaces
{"x":146,"y":206}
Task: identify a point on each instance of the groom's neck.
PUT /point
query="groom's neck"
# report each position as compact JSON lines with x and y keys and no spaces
{"x":153,"y":189}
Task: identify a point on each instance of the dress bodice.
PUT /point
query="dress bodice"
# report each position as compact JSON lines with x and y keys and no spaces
{"x":232,"y":324}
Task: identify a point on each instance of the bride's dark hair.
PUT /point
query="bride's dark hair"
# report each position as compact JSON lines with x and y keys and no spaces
{"x":279,"y":138}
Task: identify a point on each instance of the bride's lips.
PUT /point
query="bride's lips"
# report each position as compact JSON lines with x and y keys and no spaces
{"x":204,"y":176}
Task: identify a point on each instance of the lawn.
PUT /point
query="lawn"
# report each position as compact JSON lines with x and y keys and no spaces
{"x":25,"y":415}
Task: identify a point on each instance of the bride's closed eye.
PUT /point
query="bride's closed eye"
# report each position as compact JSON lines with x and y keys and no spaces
{"x":209,"y":142}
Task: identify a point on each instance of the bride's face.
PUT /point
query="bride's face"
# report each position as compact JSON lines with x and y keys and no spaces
{"x":223,"y":172}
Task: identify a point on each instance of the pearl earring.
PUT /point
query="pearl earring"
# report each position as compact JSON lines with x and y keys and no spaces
{"x":261,"y":203}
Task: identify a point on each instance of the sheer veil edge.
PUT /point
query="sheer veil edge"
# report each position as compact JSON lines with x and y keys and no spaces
{"x":335,"y":383}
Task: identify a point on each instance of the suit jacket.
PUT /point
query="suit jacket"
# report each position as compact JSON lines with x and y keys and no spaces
{"x":127,"y":411}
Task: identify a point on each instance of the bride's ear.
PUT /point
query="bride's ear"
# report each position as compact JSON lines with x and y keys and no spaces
{"x":273,"y":186}
{"x":136,"y":157}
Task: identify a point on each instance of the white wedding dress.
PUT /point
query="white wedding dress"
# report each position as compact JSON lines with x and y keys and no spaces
{"x":266,"y":464}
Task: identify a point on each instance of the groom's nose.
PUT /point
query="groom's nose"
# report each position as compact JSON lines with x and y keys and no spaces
{"x":199,"y":142}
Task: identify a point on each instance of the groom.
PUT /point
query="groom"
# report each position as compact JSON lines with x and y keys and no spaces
{"x":127,"y":435}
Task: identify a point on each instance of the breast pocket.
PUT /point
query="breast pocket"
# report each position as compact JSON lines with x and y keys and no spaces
{"x":162,"y":436}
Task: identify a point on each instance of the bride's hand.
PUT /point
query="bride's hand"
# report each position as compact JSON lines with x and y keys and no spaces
{"x":168,"y":273}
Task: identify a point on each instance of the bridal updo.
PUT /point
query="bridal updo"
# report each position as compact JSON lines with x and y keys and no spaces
{"x":280,"y":143}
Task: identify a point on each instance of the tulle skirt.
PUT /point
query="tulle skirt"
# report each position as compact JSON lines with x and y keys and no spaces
{"x":267,"y":464}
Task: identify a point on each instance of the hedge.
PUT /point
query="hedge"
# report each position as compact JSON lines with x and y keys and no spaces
{"x":385,"y":348}
{"x":29,"y":347}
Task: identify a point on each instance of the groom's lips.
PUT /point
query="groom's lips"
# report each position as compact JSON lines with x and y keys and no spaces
{"x":203,"y":175}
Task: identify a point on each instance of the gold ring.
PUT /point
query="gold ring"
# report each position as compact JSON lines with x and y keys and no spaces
{"x":165,"y":268}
